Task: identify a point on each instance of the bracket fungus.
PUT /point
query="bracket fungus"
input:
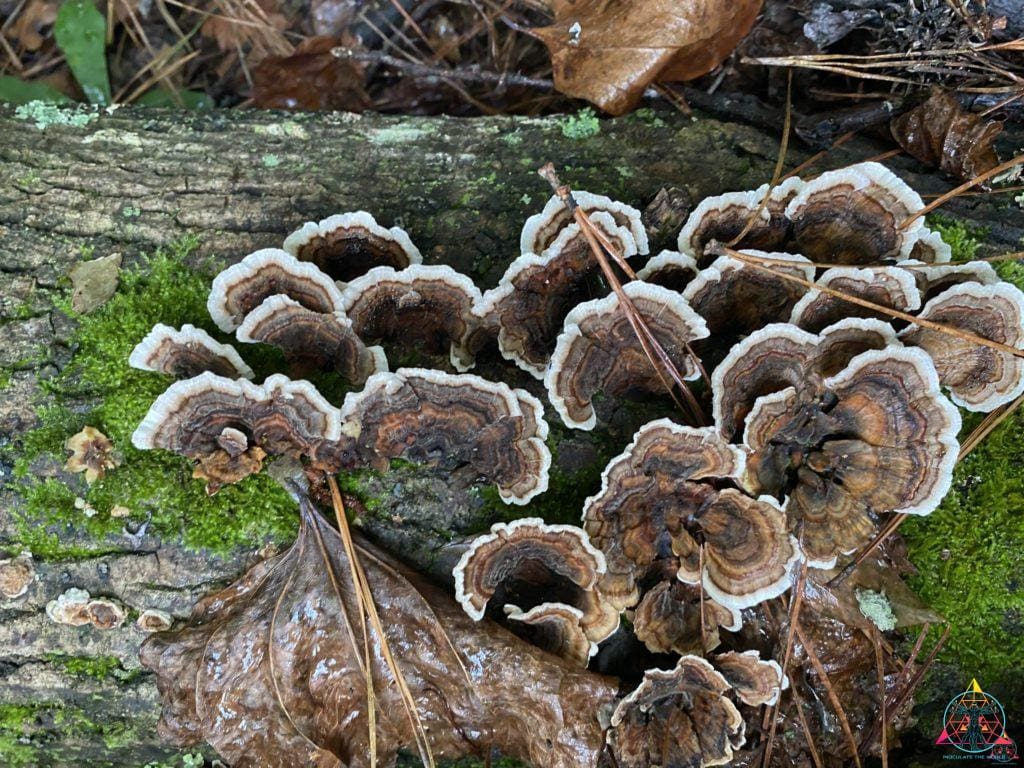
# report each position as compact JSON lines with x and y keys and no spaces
{"x":348,"y":245}
{"x":930,"y":248}
{"x":312,"y":340}
{"x":979,"y":378}
{"x":855,"y":215}
{"x":453,"y":419}
{"x":242,"y":287}
{"x":530,"y":303}
{"x":76,"y":608}
{"x":598,"y":350}
{"x":669,"y":269}
{"x":677,"y":718}
{"x":735,"y":298}
{"x":528,"y":562}
{"x":890,"y":287}
{"x":663,"y":495}
{"x":933,"y":279}
{"x":674,"y":617}
{"x":425,"y":307}
{"x":755,"y":681}
{"x":16,"y":576}
{"x":542,"y":229}
{"x":229,"y":425}
{"x":554,"y":627}
{"x":758,"y":215}
{"x":187,"y":353}
{"x":877,"y":437}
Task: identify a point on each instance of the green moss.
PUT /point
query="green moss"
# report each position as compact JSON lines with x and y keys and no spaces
{"x":95,"y":667}
{"x":582,"y":125}
{"x":154,"y":485}
{"x":961,"y":238}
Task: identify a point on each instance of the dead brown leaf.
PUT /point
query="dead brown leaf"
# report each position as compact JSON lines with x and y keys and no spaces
{"x":609,"y":51}
{"x":939,"y":133}
{"x":271,"y":671}
{"x":311,"y":79}
{"x":93,"y":282}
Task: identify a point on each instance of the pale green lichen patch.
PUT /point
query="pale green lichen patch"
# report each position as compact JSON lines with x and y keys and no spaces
{"x":288,"y":128}
{"x":582,"y":125}
{"x":876,"y":607}
{"x":44,"y":114}
{"x":270,"y":161}
{"x":155,"y":485}
{"x":398,"y":134}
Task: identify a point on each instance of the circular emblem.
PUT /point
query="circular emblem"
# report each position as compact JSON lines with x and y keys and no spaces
{"x":974,"y":722}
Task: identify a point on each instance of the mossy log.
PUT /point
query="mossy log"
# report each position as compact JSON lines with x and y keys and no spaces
{"x":80,"y":185}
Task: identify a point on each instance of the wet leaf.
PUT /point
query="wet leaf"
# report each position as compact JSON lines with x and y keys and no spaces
{"x":270,"y":671}
{"x":939,"y":133}
{"x":15,"y":91}
{"x":80,"y":32}
{"x":310,"y":79}
{"x":609,"y":51}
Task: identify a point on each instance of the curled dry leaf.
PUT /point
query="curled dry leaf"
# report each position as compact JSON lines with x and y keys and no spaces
{"x":91,"y":453}
{"x":310,"y":79}
{"x":283,"y":648}
{"x":940,"y":133}
{"x":609,"y":51}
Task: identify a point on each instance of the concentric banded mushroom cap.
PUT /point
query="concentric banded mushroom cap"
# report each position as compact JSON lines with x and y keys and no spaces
{"x":855,"y":215}
{"x":736,"y":298}
{"x":840,"y":342}
{"x":281,"y":416}
{"x":669,"y":269}
{"x":877,"y":437}
{"x":187,"y":353}
{"x":725,"y":217}
{"x":930,"y":248}
{"x":242,"y":287}
{"x":541,"y":230}
{"x":678,"y":717}
{"x":598,"y":350}
{"x":755,"y":681}
{"x":312,"y":340}
{"x":668,"y":619}
{"x":425,"y":307}
{"x":526,"y":562}
{"x":978,"y":377}
{"x":555,"y":627}
{"x":571,"y":238}
{"x":933,"y":279}
{"x":890,"y":287}
{"x":431,"y":416}
{"x":348,"y":245}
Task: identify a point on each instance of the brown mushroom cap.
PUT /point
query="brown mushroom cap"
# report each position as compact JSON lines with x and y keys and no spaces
{"x":187,"y":353}
{"x":154,"y":620}
{"x":735,"y":298}
{"x":530,"y":303}
{"x":16,"y":576}
{"x":668,"y":619}
{"x":930,"y":248}
{"x":556,"y":628}
{"x":840,"y":342}
{"x":889,"y":287}
{"x":755,"y":682}
{"x":91,"y":453}
{"x":877,"y":437}
{"x":530,"y":559}
{"x":648,"y":493}
{"x":429,"y":307}
{"x":669,"y":269}
{"x":76,"y":608}
{"x":677,"y":717}
{"x":725,"y":217}
{"x":241,"y":288}
{"x":348,"y":245}
{"x":978,"y":377}
{"x":312,"y":340}
{"x":280,"y":416}
{"x":542,"y":229}
{"x":431,"y":416}
{"x":855,"y":215}
{"x":598,"y":350}
{"x":933,"y":279}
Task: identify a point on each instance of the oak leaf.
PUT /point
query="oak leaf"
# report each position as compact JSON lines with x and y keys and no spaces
{"x":609,"y":51}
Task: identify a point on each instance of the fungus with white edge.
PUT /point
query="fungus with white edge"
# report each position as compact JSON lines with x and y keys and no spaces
{"x":187,"y":353}
{"x":16,"y":575}
{"x":756,"y":682}
{"x":347,"y":245}
{"x":598,"y":350}
{"x":669,"y":619}
{"x":542,"y":229}
{"x":669,"y":269}
{"x":889,"y":287}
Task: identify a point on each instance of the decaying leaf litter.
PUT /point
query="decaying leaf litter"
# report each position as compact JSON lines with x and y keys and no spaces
{"x":937,"y":132}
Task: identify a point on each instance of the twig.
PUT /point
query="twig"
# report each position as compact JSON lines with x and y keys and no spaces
{"x":794,"y":619}
{"x":837,"y":707}
{"x":979,"y":179}
{"x":469,"y":75}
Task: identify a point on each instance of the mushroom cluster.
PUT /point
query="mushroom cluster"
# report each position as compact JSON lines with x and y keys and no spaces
{"x":828,"y":344}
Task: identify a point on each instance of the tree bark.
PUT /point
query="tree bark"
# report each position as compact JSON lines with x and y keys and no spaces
{"x":130,"y":181}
